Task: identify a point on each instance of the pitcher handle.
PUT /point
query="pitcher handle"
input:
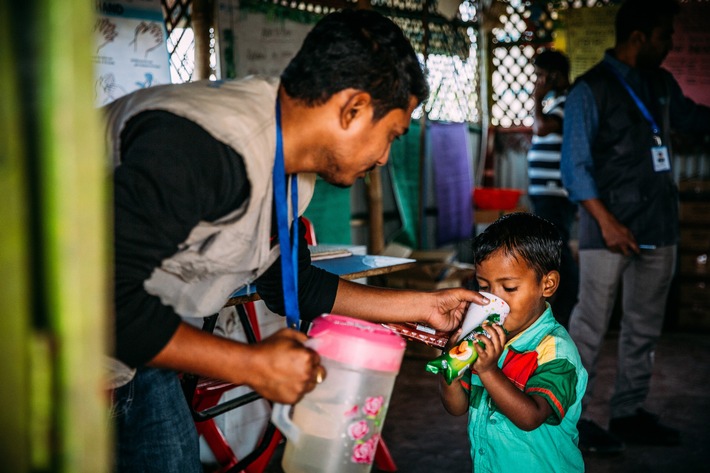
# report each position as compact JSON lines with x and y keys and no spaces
{"x":281,"y":418}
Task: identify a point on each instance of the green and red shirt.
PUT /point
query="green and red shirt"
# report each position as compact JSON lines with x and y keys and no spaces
{"x":541,"y":361}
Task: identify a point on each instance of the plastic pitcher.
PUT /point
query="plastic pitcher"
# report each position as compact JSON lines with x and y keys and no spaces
{"x":336,"y":427}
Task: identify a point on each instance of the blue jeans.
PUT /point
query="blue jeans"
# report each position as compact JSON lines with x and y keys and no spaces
{"x":561,"y":212}
{"x":154,"y":428}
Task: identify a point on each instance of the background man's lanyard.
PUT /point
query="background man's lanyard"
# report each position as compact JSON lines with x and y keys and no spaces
{"x":289,"y":259}
{"x":644,"y":111}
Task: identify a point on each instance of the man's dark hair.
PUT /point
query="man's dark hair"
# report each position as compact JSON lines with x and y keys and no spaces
{"x":643,"y":16}
{"x":552,"y":61}
{"x":522,"y":235}
{"x":358,"y":49}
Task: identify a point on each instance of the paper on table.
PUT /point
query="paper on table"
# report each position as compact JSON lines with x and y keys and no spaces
{"x":321,"y":252}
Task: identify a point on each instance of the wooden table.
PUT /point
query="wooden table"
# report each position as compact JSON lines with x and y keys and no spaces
{"x":348,"y":267}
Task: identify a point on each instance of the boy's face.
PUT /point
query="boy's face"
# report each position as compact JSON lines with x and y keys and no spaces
{"x":516,"y":283}
{"x":549,"y":80}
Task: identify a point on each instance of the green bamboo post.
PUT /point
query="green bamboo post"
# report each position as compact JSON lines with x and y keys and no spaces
{"x":53,"y":180}
{"x":73,"y":178}
{"x":14,"y":285}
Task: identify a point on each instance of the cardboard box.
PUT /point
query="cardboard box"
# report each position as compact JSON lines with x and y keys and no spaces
{"x":431,"y":276}
{"x":435,"y":269}
{"x":694,"y":306}
{"x":689,"y":187}
{"x":695,"y":212}
{"x":695,"y":293}
{"x":434,"y":256}
{"x":694,"y":238}
{"x":694,"y":263}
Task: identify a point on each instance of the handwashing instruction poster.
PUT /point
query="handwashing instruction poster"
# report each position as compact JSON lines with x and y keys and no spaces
{"x":255,"y":43}
{"x":131,"y":52}
{"x":589,"y":32}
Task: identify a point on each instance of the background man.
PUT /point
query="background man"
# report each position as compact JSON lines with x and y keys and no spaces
{"x":616,"y":163}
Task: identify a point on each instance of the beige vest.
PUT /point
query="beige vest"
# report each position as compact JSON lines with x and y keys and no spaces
{"x":222,"y":256}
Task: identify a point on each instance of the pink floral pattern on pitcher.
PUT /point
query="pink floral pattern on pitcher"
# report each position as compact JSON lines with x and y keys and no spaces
{"x":352,"y":412}
{"x":365,"y":452}
{"x":358,"y":430}
{"x":373,"y":405}
{"x":374,"y":412}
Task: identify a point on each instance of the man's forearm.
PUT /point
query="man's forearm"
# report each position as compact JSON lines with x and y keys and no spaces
{"x":598,"y":211}
{"x":441,"y":309}
{"x":194,"y":351}
{"x":279,"y":368}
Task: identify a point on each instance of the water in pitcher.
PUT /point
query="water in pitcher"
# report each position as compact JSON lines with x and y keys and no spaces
{"x":340,"y":422}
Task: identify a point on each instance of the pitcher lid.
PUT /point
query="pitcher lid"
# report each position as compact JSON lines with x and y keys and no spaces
{"x":357,"y":342}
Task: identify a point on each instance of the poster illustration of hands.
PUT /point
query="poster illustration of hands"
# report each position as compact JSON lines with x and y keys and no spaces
{"x":131,"y":52}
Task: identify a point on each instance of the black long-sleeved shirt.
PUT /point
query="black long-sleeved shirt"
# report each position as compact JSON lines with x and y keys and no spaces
{"x":173,"y":175}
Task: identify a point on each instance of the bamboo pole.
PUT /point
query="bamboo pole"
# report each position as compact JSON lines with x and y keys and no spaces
{"x":422,"y":136}
{"x":484,"y":81}
{"x":202,"y":20}
{"x":373,"y":196}
{"x":73,"y":235}
{"x":14,"y":263}
{"x":376,"y":240}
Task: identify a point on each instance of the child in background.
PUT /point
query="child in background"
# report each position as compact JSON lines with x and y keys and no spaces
{"x":523,"y":395}
{"x":547,"y":195}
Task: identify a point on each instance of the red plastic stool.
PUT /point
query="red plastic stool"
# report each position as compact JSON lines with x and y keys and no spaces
{"x":204,"y":395}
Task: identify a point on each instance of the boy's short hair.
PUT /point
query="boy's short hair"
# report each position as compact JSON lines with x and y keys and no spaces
{"x":522,"y":235}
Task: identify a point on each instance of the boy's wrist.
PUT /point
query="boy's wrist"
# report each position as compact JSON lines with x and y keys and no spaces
{"x":486,"y":372}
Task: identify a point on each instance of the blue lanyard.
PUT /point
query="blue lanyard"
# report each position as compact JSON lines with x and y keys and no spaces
{"x":289,"y":259}
{"x":644,"y":111}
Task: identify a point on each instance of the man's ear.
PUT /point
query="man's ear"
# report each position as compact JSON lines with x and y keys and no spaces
{"x":637,"y":38}
{"x":357,"y":106}
{"x":550,"y":283}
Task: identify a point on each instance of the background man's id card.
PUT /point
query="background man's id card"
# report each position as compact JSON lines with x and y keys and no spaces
{"x":661,"y":160}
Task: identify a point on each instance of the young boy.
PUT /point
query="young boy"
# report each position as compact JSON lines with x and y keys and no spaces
{"x":523,"y":394}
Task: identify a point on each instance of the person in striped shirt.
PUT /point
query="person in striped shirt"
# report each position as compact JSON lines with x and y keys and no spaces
{"x":548,"y":197}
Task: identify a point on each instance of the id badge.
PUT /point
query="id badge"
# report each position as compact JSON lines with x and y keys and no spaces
{"x":661,"y":160}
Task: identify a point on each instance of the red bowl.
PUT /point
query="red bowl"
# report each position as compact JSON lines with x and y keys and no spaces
{"x":492,"y":198}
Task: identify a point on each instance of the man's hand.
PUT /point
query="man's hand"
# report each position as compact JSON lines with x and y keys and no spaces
{"x":617,"y":237}
{"x":450,"y":306}
{"x":283,"y":368}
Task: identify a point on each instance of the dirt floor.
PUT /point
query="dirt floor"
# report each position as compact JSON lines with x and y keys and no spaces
{"x":423,"y":438}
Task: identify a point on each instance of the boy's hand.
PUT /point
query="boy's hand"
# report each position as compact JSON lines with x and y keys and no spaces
{"x":490,"y":353}
{"x":453,"y":340}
